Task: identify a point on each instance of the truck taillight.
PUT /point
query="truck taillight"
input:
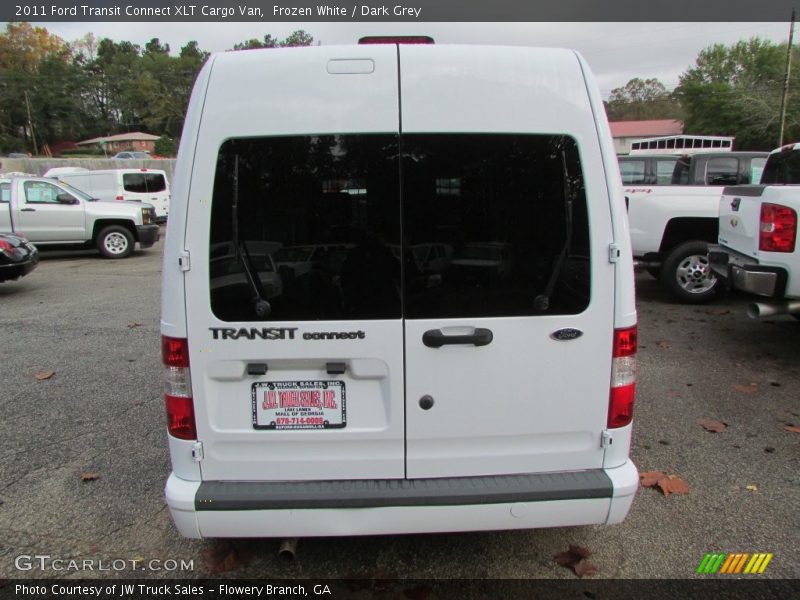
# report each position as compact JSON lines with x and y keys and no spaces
{"x":178,"y":388}
{"x":623,"y":377}
{"x":778,"y":229}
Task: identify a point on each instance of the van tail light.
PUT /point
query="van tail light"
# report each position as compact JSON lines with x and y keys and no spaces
{"x":623,"y":378}
{"x":178,"y":388}
{"x":778,"y":228}
{"x":120,"y":198}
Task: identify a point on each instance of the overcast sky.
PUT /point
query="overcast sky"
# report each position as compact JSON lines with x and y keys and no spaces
{"x":617,"y":52}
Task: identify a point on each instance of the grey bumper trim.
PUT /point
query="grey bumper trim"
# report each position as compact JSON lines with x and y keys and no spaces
{"x":251,"y":495}
{"x":761,"y":283}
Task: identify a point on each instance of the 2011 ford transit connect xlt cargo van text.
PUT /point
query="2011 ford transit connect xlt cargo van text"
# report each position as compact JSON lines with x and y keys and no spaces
{"x":363,"y":394}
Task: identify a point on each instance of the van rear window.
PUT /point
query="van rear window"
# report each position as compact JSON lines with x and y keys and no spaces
{"x":144,"y":183}
{"x":336,"y":227}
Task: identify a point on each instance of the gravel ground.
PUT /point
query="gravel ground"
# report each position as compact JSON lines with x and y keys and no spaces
{"x":94,"y":323}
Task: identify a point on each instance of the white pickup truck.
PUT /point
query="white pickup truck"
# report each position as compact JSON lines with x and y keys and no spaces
{"x":757,"y":251}
{"x":54,"y":214}
{"x":672,"y":209}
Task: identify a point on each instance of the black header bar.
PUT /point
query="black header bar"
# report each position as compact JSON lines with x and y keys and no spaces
{"x":419,"y":11}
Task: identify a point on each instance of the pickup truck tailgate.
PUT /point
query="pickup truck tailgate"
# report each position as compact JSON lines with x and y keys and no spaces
{"x":739,"y":218}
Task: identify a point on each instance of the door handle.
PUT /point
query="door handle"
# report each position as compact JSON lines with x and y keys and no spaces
{"x":27,"y":210}
{"x":434,"y":338}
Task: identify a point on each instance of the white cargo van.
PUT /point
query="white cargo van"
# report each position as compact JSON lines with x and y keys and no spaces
{"x":371,"y":396}
{"x":141,"y":185}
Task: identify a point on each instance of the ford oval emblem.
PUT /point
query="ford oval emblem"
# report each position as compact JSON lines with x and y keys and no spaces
{"x":566,"y":334}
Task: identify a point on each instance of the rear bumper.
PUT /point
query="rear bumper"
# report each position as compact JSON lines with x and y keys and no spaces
{"x":147,"y":235}
{"x":12,"y":271}
{"x":309,"y":509}
{"x":745,"y":274}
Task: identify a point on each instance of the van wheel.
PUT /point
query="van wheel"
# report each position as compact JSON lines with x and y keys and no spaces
{"x":115,"y":241}
{"x":687,"y":275}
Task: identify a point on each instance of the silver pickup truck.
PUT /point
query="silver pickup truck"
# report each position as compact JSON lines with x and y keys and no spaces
{"x":54,"y":214}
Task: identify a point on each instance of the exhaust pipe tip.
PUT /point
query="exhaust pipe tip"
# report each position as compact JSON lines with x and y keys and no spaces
{"x":754,"y":310}
{"x":287,"y":551}
{"x":758,"y":310}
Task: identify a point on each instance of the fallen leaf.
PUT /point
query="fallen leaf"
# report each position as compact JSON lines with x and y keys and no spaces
{"x":90,"y":476}
{"x":746,"y":389}
{"x":752,"y":488}
{"x":42,"y":375}
{"x":711,"y":425}
{"x":792,"y":428}
{"x":223,"y":556}
{"x":132,"y":324}
{"x":650,"y":478}
{"x":672,"y":484}
{"x":663,"y":344}
{"x":566,"y":559}
{"x":584,"y":568}
{"x":580,"y":551}
{"x":575,"y":559}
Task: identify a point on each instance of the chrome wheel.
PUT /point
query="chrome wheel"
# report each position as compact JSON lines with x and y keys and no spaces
{"x":694,"y":274}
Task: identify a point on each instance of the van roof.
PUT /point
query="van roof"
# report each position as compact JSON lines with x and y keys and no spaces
{"x":511,"y":77}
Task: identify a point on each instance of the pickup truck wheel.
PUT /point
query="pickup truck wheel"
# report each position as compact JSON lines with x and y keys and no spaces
{"x":115,"y":241}
{"x":687,"y":275}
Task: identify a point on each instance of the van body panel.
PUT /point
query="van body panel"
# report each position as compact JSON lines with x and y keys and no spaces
{"x":624,"y":287}
{"x":125,"y":184}
{"x":284,"y":92}
{"x":514,"y":405}
{"x":173,"y":296}
{"x":490,"y":361}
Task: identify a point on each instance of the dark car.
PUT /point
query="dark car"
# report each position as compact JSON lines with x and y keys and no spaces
{"x":18,"y":257}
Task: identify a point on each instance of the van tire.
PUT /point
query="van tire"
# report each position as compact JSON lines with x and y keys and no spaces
{"x":687,"y":275}
{"x":115,"y":241}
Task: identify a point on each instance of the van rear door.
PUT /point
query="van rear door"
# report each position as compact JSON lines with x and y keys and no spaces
{"x":508,"y":349}
{"x":313,"y":388}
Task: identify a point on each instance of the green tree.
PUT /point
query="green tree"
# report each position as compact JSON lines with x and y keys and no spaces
{"x":23,"y":51}
{"x":642,"y":99}
{"x":297,"y":38}
{"x":166,"y":146}
{"x":736,"y":90}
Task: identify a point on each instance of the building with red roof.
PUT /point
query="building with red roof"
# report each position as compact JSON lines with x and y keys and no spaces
{"x":624,"y":132}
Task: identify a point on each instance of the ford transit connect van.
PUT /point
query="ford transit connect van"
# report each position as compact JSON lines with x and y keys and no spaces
{"x":371,"y":395}
{"x":142,"y":185}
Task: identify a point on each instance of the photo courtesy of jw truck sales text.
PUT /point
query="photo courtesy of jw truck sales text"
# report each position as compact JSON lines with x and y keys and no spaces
{"x":304,"y":315}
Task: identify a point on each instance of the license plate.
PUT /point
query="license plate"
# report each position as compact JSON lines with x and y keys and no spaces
{"x":282,"y":405}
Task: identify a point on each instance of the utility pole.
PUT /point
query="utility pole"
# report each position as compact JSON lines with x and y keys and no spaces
{"x":30,"y":124}
{"x":786,"y":81}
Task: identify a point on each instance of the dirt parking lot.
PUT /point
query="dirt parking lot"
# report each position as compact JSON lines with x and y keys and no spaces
{"x":94,"y":324}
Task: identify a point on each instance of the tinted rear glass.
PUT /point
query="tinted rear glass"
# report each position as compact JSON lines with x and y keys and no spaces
{"x":782,"y":168}
{"x":515,"y":215}
{"x":490,"y":225}
{"x":632,"y":172}
{"x":664,"y":169}
{"x":282,"y":198}
{"x":722,"y":171}
{"x":144,"y":183}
